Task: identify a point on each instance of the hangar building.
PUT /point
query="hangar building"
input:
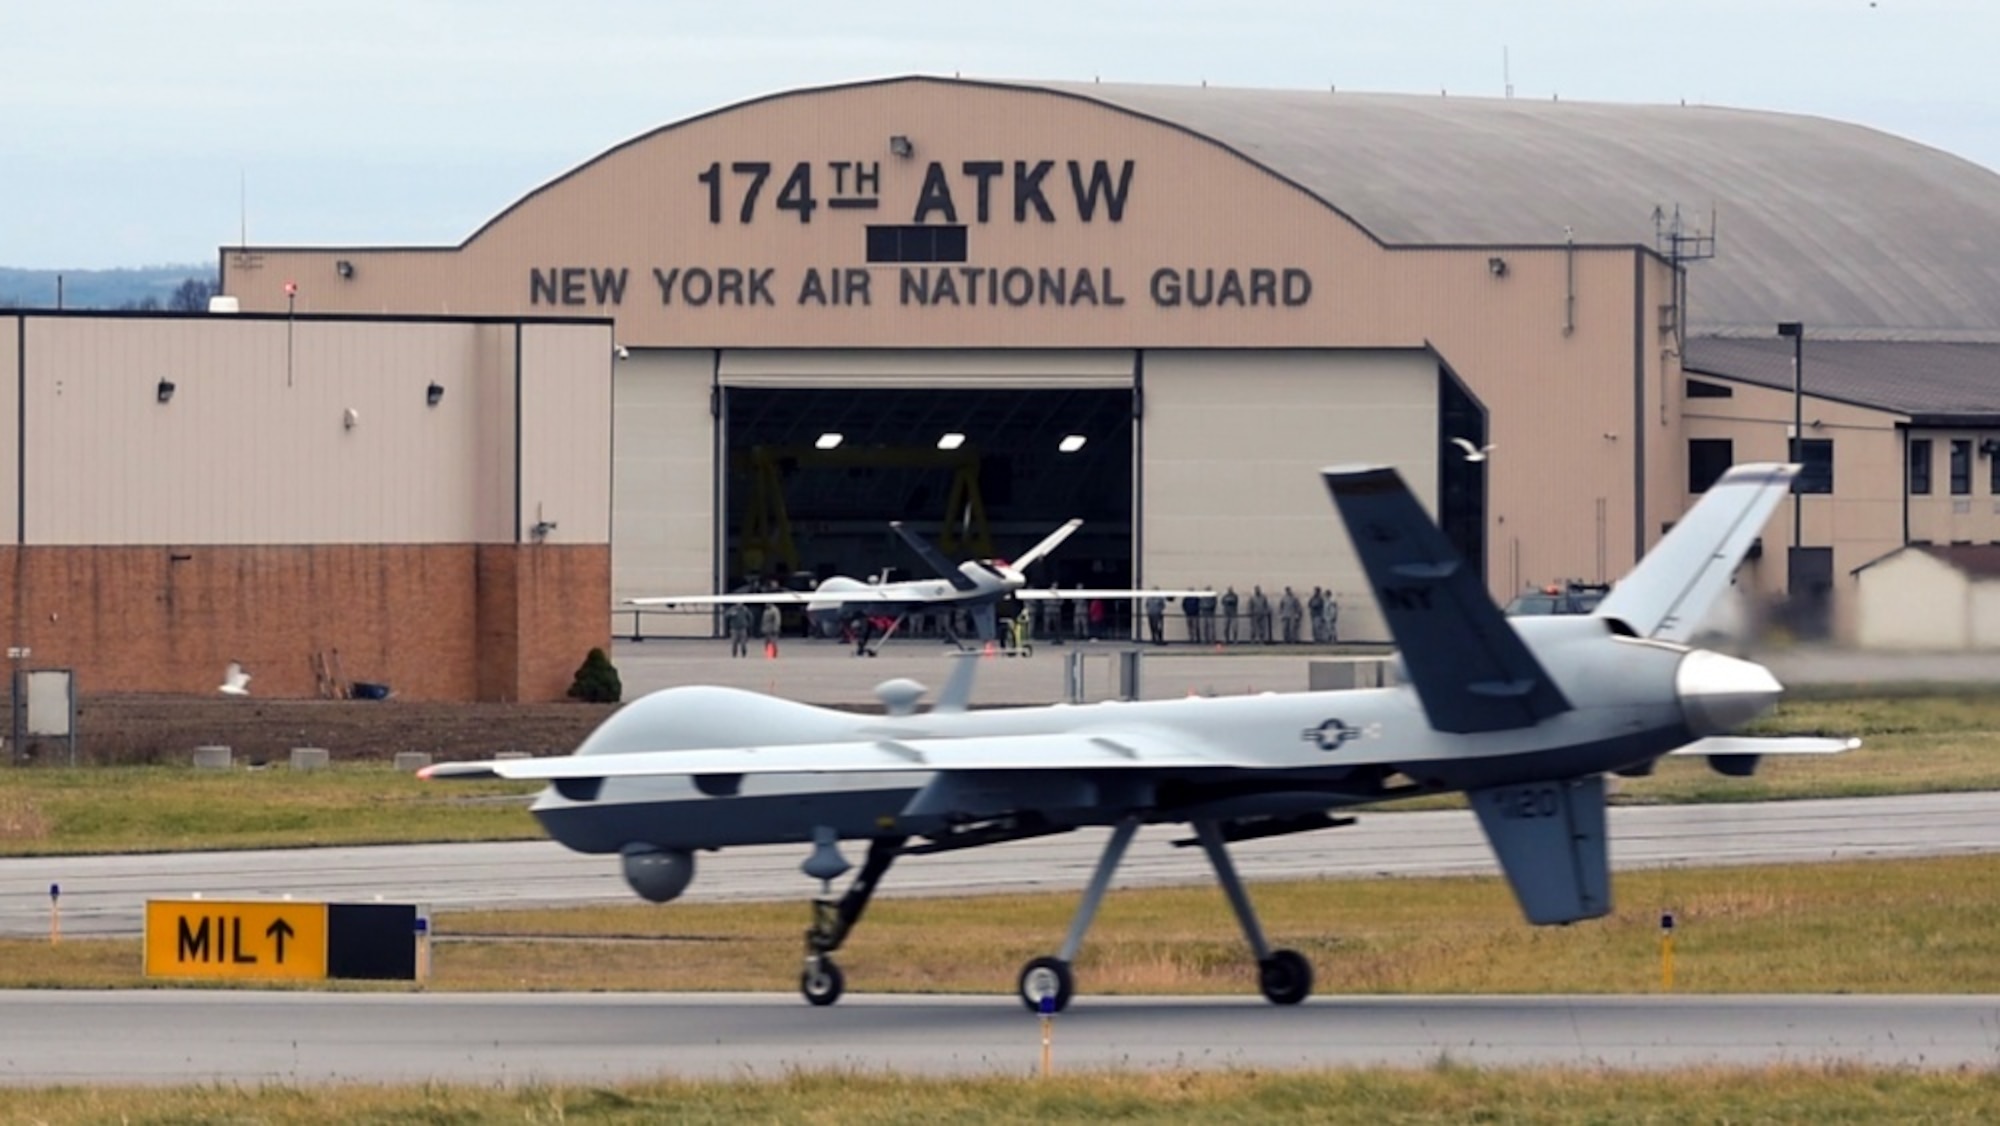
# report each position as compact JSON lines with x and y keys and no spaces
{"x":1219,"y":291}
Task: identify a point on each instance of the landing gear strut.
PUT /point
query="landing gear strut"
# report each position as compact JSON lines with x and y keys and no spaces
{"x":1283,"y":976}
{"x":1051,"y":978}
{"x":821,"y":981}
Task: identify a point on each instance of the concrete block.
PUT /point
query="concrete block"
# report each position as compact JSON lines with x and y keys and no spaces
{"x":211,"y":758}
{"x":1334,"y":674}
{"x":409,"y":762}
{"x":309,"y":758}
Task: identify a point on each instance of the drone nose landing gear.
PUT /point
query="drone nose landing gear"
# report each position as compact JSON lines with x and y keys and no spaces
{"x":821,"y":981}
{"x":1285,"y":977}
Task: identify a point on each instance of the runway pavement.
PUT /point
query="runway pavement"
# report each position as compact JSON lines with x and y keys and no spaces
{"x":307,"y":1038}
{"x":825,"y":672}
{"x":105,"y":895}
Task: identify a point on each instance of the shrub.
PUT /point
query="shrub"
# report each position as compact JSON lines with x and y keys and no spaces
{"x":597,"y":680}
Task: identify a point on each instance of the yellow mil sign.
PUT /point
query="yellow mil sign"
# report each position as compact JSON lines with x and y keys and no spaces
{"x":243,"y":939}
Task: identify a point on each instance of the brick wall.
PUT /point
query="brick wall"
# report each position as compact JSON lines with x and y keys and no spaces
{"x":434,"y":622}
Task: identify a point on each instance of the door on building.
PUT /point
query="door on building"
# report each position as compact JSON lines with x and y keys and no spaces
{"x":1809,"y":609}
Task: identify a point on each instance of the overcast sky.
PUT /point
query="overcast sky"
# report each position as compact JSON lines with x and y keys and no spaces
{"x":127,"y":127}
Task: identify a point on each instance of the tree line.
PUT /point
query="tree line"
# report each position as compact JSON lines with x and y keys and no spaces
{"x":191,"y":296}
{"x":184,"y":288}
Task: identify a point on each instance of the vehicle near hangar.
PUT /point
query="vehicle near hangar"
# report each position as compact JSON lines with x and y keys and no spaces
{"x":1571,"y":597}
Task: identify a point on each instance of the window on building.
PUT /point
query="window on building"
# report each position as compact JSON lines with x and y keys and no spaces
{"x":1700,"y":389}
{"x":921,"y":243}
{"x":1708,"y":460}
{"x":1992,"y":466}
{"x":1961,"y":467}
{"x":1920,"y":467}
{"x":1816,"y":466}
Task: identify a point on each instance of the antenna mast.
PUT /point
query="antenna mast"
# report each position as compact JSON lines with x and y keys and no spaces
{"x":1680,"y":245}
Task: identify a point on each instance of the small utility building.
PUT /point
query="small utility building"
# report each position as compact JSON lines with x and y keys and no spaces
{"x":422,"y":502}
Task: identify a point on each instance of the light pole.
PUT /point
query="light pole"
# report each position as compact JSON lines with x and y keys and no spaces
{"x":1797,"y":331}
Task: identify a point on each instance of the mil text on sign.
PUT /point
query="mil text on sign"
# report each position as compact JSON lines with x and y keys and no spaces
{"x":243,"y":940}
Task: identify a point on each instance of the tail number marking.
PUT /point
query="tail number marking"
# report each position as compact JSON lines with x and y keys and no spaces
{"x":1526,"y":803}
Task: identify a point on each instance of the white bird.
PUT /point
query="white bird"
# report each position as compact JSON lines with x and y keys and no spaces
{"x":1472,"y":452}
{"x":235,"y":682}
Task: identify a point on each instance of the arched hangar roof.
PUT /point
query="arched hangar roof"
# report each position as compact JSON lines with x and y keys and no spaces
{"x":1857,"y":233}
{"x":1854,"y":231}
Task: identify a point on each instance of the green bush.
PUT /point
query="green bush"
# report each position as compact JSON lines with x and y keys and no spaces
{"x":597,"y":680}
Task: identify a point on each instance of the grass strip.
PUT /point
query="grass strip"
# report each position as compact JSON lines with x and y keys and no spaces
{"x":126,"y":809}
{"x":1874,"y":926}
{"x":1443,"y":1093}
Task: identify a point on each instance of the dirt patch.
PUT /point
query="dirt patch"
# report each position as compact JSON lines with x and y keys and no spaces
{"x":167,"y":729}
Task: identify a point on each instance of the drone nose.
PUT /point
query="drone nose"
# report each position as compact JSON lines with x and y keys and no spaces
{"x":1719,"y":693}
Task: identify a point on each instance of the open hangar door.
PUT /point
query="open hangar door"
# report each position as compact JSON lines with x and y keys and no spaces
{"x":822,"y":449}
{"x":1234,"y":442}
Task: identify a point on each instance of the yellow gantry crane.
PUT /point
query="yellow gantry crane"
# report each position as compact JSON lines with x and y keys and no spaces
{"x":765,"y":545}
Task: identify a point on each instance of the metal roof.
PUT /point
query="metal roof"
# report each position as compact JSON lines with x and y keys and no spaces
{"x":1854,"y":231}
{"x":1975,"y":560}
{"x":1936,"y":384}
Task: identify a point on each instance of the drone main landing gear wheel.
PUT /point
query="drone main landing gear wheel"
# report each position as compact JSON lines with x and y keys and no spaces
{"x":1285,"y":978}
{"x":1049,"y":978}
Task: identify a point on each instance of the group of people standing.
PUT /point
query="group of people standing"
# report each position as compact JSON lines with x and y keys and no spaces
{"x":738,"y":618}
{"x":1289,"y":613}
{"x":1281,"y":622}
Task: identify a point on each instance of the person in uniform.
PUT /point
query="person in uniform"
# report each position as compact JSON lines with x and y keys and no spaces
{"x":737,"y":617}
{"x":1289,"y":613}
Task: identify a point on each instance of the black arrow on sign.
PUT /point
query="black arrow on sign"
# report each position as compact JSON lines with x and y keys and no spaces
{"x":278,"y":932}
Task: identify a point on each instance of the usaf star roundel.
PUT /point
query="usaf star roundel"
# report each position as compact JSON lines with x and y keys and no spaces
{"x":1330,"y":735}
